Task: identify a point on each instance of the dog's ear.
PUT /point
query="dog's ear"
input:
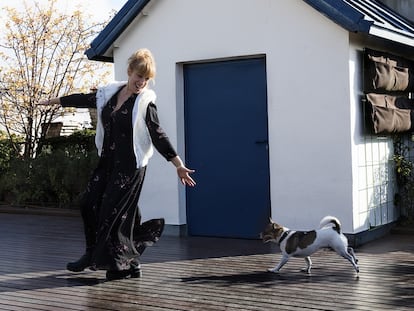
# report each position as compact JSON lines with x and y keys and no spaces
{"x":271,"y":220}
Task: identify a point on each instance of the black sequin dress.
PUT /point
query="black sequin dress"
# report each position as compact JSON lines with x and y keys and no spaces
{"x":112,"y":219}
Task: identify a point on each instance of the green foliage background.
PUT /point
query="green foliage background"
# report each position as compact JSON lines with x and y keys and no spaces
{"x":404,"y":166}
{"x":55,"y":178}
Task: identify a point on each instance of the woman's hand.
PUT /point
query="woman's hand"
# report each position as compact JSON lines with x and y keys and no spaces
{"x":50,"y":102}
{"x":44,"y":102}
{"x":184,"y":175}
{"x":183,"y":172}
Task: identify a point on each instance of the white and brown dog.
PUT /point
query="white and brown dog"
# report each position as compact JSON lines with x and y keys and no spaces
{"x":304,"y":243}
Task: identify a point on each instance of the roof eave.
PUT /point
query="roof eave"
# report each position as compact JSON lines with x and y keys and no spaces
{"x":342,"y":14}
{"x":339,"y":12}
{"x":103,"y":42}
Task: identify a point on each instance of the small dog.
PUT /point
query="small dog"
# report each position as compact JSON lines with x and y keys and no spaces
{"x":304,"y":243}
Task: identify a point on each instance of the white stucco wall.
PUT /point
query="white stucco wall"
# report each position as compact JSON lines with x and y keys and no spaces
{"x":308,"y":98}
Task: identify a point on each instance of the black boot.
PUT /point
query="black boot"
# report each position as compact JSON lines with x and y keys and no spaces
{"x":82,"y":263}
{"x":135,"y":270}
{"x":112,"y":275}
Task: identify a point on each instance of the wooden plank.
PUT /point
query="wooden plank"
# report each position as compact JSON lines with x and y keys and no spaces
{"x":195,"y":273}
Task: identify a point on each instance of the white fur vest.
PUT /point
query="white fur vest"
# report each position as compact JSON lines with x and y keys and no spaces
{"x":143,"y":148}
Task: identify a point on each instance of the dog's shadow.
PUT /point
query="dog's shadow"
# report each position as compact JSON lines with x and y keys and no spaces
{"x":258,"y":278}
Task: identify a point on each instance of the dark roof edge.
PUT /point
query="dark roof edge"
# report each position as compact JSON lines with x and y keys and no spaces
{"x":114,"y":29}
{"x":342,"y":14}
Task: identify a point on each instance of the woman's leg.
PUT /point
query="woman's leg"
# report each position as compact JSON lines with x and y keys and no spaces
{"x":89,"y":207}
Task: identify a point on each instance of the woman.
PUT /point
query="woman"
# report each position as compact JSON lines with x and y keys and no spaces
{"x":127,"y":129}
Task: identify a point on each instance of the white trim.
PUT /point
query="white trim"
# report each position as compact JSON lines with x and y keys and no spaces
{"x":393,"y":36}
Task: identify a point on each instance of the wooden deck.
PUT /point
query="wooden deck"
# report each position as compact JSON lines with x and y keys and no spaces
{"x":195,"y":273}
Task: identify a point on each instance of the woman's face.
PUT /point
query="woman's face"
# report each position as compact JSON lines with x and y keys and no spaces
{"x":136,"y":82}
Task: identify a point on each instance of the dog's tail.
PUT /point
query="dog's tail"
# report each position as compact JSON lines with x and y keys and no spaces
{"x":331,"y":220}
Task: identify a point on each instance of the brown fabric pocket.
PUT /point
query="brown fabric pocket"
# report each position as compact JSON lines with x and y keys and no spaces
{"x":390,"y":120}
{"x":385,"y":100}
{"x":382,"y":59}
{"x":390,"y":78}
{"x":387,"y":73}
{"x":390,"y":114}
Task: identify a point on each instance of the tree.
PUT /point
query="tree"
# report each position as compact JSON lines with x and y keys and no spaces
{"x":43,"y":57}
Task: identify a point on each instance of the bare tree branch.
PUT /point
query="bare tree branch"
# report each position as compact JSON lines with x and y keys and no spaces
{"x":43,"y":53}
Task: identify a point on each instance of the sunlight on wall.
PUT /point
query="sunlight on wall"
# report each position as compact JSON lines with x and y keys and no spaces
{"x":376,"y":181}
{"x":374,"y":185}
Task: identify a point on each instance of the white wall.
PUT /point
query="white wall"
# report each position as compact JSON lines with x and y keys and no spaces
{"x":308,"y":97}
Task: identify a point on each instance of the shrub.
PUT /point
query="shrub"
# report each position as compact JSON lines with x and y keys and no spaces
{"x":405,"y":178}
{"x":9,"y":149}
{"x":56,"y":177}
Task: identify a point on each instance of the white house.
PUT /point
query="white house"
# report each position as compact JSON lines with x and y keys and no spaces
{"x":264,"y":100}
{"x":73,"y":119}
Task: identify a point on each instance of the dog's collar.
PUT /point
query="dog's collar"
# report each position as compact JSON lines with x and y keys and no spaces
{"x":284,"y":235}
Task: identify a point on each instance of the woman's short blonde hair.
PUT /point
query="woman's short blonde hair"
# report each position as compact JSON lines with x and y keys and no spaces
{"x":143,"y":63}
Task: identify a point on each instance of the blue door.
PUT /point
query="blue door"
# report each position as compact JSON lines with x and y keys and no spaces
{"x":227,"y":143}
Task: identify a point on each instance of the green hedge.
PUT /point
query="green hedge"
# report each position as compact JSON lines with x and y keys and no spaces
{"x":8,"y":151}
{"x":55,"y":178}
